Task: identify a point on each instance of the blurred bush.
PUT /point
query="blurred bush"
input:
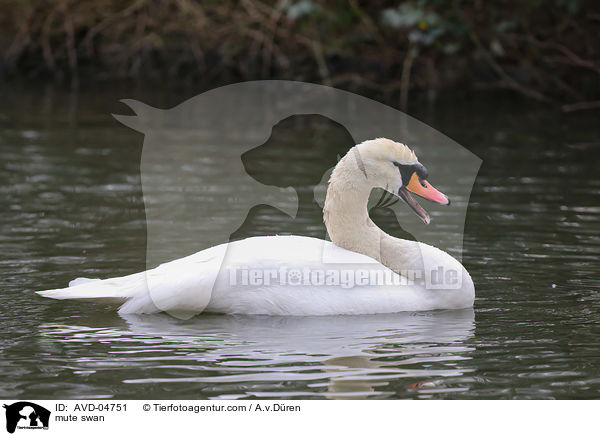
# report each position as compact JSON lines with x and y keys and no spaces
{"x":547,"y":50}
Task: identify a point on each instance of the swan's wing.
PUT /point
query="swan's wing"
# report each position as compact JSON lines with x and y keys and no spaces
{"x":182,"y":287}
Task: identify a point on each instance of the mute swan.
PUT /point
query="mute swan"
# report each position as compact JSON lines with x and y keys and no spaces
{"x":362,"y":271}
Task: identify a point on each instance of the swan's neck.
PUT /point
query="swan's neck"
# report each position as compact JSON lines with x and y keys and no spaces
{"x":347,"y":219}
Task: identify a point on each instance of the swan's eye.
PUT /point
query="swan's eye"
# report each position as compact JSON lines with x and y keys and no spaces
{"x":407,"y":170}
{"x":421,"y":171}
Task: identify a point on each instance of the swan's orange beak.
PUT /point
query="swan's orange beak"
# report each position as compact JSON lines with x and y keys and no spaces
{"x":423,"y":189}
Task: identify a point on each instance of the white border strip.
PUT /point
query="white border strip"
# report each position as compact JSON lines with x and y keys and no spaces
{"x":82,"y":417}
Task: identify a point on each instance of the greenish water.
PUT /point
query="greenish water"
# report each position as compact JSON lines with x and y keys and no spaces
{"x":71,"y":205}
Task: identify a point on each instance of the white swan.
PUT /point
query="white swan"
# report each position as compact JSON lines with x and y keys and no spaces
{"x":362,"y":271}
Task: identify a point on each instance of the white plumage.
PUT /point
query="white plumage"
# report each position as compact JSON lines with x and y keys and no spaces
{"x":284,"y":275}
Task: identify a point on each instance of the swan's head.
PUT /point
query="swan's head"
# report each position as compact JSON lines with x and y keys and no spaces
{"x":395,"y":168}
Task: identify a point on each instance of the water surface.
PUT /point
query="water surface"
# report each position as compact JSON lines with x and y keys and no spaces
{"x":71,"y":205}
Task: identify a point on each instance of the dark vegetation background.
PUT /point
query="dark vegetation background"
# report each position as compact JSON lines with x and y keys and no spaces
{"x":545,"y":50}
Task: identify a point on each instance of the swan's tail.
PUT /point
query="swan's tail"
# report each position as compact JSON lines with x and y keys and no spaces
{"x":130,"y":292}
{"x":182,"y":287}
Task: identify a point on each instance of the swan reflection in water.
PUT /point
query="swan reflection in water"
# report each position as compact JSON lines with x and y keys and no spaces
{"x":263,"y":356}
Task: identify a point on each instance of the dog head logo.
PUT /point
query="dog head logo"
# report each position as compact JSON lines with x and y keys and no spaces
{"x":26,"y":415}
{"x":200,"y":186}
